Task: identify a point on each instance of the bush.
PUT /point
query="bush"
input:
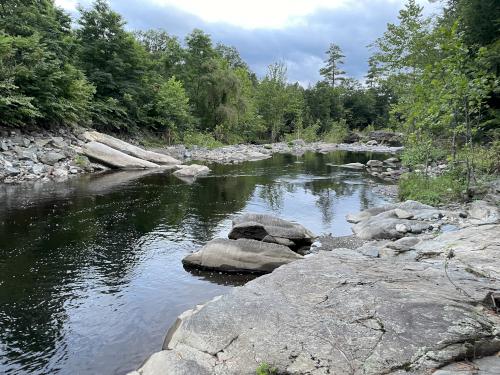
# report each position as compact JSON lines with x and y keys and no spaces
{"x":201,"y":139}
{"x":438,"y":190}
{"x":422,"y":151}
{"x":338,"y":132}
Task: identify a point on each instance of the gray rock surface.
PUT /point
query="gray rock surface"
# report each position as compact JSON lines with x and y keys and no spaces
{"x":341,"y":312}
{"x":114,"y":158}
{"x":192,"y":171}
{"x":130,"y":149}
{"x":272,"y":229}
{"x":241,"y":255}
{"x":393,"y":221}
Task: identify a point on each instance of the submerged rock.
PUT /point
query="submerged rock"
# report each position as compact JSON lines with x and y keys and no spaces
{"x":192,"y":171}
{"x":241,"y":255}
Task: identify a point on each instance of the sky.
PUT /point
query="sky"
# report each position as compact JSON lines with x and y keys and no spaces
{"x":297,"y":32}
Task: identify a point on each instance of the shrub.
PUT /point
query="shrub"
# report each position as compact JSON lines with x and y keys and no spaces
{"x":201,"y":139}
{"x":266,"y":369}
{"x":437,"y":190}
{"x":338,"y":132}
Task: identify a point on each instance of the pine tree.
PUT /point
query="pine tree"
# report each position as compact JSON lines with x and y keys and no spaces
{"x":331,"y":71}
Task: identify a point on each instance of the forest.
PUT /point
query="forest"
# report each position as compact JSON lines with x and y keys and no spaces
{"x":435,"y":79}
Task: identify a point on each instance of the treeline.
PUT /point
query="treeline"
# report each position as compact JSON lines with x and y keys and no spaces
{"x":443,"y":73}
{"x":436,"y":79}
{"x":101,"y":75}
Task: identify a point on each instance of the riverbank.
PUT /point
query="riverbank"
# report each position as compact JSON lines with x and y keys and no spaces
{"x":420,"y":295}
{"x":59,"y":155}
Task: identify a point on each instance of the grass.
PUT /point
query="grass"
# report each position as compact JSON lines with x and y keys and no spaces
{"x":438,"y":190}
{"x":266,"y":369}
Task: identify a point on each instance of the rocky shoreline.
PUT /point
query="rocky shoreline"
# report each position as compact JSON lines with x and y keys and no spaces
{"x":416,"y":290}
{"x":58,"y":155}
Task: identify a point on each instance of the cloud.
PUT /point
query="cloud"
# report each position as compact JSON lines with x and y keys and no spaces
{"x":295,"y":31}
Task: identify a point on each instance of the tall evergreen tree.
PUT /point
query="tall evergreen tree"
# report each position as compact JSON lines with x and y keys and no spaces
{"x":332,"y":71}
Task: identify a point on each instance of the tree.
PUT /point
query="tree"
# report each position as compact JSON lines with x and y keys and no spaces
{"x":115,"y":63}
{"x":331,"y":71}
{"x":171,"y":106}
{"x":280,"y":105}
{"x":39,"y":82}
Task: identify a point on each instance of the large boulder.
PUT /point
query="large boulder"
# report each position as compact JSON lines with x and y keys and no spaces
{"x":268,"y":228}
{"x":192,"y":171}
{"x":114,"y":158}
{"x":241,"y":255}
{"x":338,"y":312}
{"x":386,"y":137}
{"x":129,"y":149}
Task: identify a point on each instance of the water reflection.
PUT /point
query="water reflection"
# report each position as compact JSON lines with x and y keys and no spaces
{"x":90,"y":269}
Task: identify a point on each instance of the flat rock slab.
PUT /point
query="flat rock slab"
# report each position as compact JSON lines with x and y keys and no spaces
{"x":129,"y":149}
{"x":241,"y":255}
{"x":337,"y":313}
{"x":114,"y":158}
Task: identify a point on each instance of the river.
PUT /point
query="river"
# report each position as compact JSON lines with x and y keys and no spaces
{"x":90,"y":269}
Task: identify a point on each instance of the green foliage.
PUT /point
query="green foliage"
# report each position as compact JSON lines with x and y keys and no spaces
{"x":201,"y":139}
{"x":337,"y":132}
{"x":266,"y":369}
{"x":331,"y":71}
{"x":38,"y":81}
{"x":438,"y":190}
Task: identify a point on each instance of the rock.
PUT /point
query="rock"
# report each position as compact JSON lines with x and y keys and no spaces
{"x":350,"y":166}
{"x":114,"y":158}
{"x":402,"y":228}
{"x":129,"y":149}
{"x":4,"y":146}
{"x":60,"y":173}
{"x":484,"y":366}
{"x":41,"y":142}
{"x":242,"y":255}
{"x":12,"y":171}
{"x":385,"y":137}
{"x":26,"y":154}
{"x":402,"y":214}
{"x":73,"y":170}
{"x":352,"y":138}
{"x":476,"y":249}
{"x":272,"y":229}
{"x":192,"y":171}
{"x":299,"y":142}
{"x":340,"y":313}
{"x":38,"y":168}
{"x":375,"y":163}
{"x":391,"y":161}
{"x":404,"y":244}
{"x":58,"y":142}
{"x":369,"y":250}
{"x":50,"y":157}
{"x":482,"y":212}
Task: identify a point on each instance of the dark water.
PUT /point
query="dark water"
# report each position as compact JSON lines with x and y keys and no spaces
{"x":90,"y":270}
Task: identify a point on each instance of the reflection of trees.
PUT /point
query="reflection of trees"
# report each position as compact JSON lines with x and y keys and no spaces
{"x":273,"y":194}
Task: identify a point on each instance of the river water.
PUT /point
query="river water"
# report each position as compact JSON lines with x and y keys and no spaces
{"x":90,"y":269}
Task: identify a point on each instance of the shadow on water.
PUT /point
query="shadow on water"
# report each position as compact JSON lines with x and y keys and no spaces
{"x":90,"y":269}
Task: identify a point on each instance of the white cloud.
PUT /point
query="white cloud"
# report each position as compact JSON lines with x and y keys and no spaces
{"x":253,"y":14}
{"x":67,"y":4}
